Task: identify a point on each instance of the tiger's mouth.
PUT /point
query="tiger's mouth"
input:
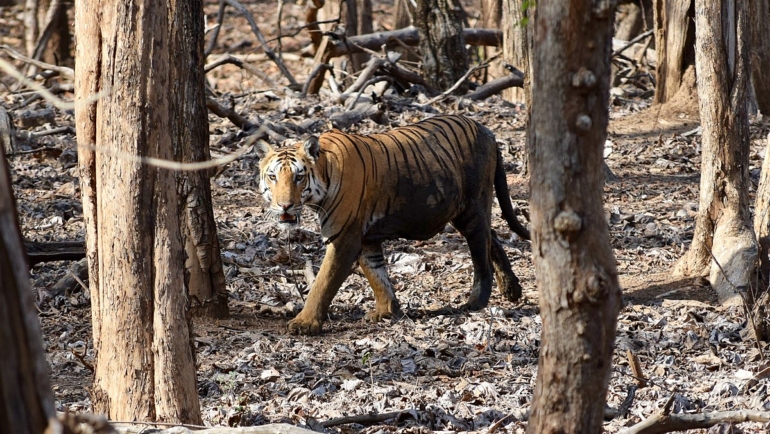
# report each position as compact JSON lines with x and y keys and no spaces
{"x":289,"y":219}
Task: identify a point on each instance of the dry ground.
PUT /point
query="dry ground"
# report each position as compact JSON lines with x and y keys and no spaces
{"x":469,"y":372}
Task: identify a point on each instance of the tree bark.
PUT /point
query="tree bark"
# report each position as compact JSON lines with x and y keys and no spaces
{"x":517,"y":46}
{"x":574,"y":266}
{"x":26,"y":401}
{"x":444,"y":58}
{"x":760,"y":53}
{"x":147,"y":59}
{"x":674,"y":43}
{"x":47,"y":34}
{"x":405,"y":12}
{"x":723,"y":226}
{"x":762,"y":218}
{"x":356,"y":17}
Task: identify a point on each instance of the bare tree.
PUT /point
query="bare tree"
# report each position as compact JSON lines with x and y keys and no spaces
{"x":674,"y":43}
{"x":760,"y":53}
{"x":146,"y":60}
{"x":574,"y":266}
{"x":444,"y":57}
{"x":26,"y":401}
{"x":356,"y":18}
{"x":723,"y":225}
{"x":517,"y":45}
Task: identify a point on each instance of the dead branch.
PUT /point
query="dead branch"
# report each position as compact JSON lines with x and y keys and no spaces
{"x":320,"y":68}
{"x":662,"y":423}
{"x":632,"y":42}
{"x":275,"y":428}
{"x":350,"y":117}
{"x":54,"y":251}
{"x":215,"y":35}
{"x":6,"y":132}
{"x":636,"y":368}
{"x":54,"y":9}
{"x":496,"y":86}
{"x":263,"y":43}
{"x":409,"y":36}
{"x":373,"y":65}
{"x":65,"y":72}
{"x":229,"y":59}
{"x":299,"y":29}
{"x":368,"y":419}
{"x":229,"y":113}
{"x":459,"y":82}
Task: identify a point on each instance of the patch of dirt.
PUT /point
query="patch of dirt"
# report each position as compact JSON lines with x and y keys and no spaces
{"x":446,"y":372}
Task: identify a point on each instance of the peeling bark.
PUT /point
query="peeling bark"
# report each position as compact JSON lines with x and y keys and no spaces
{"x":444,"y":57}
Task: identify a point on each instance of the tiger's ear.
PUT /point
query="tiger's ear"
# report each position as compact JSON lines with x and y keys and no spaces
{"x":312,"y":147}
{"x":262,"y":148}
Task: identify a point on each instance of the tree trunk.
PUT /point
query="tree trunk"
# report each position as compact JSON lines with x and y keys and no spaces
{"x":674,"y":43}
{"x":723,"y":226}
{"x":760,"y":53}
{"x":405,"y":12}
{"x":444,"y":58}
{"x":517,"y":46}
{"x":356,"y":17}
{"x":147,"y":60}
{"x":761,"y":300}
{"x":47,"y":34}
{"x":574,"y":266}
{"x":26,"y":401}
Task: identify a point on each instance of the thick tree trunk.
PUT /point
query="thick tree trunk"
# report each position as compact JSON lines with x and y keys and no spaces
{"x":723,"y":226}
{"x":26,"y":401}
{"x":761,"y":308}
{"x":444,"y":58}
{"x":517,"y":46}
{"x":579,"y":292}
{"x":674,"y":43}
{"x":760,"y":53}
{"x":144,"y":57}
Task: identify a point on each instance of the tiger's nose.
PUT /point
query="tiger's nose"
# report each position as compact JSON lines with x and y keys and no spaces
{"x":286,"y":205}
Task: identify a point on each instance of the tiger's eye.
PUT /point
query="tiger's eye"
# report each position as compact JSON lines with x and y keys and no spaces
{"x":271,"y":177}
{"x":299,"y":178}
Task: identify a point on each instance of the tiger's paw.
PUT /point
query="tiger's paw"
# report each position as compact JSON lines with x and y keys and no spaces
{"x":391,"y":310}
{"x":305,"y":326}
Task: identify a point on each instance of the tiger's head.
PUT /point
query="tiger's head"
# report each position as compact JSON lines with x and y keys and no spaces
{"x":288,"y":178}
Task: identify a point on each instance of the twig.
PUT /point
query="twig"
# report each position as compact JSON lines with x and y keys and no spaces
{"x":366,"y":418}
{"x":215,"y":35}
{"x":459,"y":82}
{"x":636,"y":368}
{"x":82,"y":358}
{"x":301,"y":28}
{"x":225,"y":112}
{"x":374,"y":64}
{"x":77,"y":279}
{"x":318,"y":69}
{"x":632,"y":42}
{"x":269,"y":52}
{"x":278,"y":27}
{"x":65,"y":72}
{"x":228,"y":59}
{"x":628,"y":402}
{"x":368,"y":83}
{"x":663,"y":423}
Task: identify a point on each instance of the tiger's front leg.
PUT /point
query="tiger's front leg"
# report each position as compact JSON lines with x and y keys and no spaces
{"x":372,"y":262}
{"x":335,"y":268}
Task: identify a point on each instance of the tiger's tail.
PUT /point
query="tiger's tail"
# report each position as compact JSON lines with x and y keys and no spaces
{"x":501,"y":190}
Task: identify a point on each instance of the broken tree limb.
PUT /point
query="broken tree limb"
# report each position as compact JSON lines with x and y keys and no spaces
{"x":369,"y":419}
{"x":496,"y":86}
{"x":229,"y":59}
{"x":663,"y":423}
{"x":350,"y":117}
{"x":319,"y":69}
{"x":54,"y":251}
{"x":225,"y":112}
{"x":263,"y":43}
{"x":63,"y":71}
{"x":275,"y":428}
{"x":215,"y":35}
{"x":409,"y":36}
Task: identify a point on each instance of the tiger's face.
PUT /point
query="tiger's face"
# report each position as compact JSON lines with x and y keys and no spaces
{"x":288,"y":178}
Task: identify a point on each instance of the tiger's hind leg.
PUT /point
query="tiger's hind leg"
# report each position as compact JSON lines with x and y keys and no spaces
{"x":372,"y":262}
{"x":507,"y":281}
{"x":475,"y":227}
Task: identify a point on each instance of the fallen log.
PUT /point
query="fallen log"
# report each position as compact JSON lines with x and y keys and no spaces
{"x":496,"y":86}
{"x":54,"y":251}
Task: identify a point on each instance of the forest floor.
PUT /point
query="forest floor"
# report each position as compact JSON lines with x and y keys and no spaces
{"x":466,"y":372}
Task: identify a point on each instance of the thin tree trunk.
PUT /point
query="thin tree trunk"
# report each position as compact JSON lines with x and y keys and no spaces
{"x":761,"y":299}
{"x":574,"y":266}
{"x":136,"y":214}
{"x":356,"y":17}
{"x":26,"y":401}
{"x":444,"y":57}
{"x":723,"y":225}
{"x":517,"y":46}
{"x":674,"y":43}
{"x":760,"y":53}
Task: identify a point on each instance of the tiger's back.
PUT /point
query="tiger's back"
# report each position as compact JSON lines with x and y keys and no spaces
{"x":407,"y":183}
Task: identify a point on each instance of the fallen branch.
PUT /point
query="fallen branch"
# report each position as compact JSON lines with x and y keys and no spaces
{"x":459,"y":82}
{"x":65,"y":72}
{"x":368,"y":419}
{"x":320,"y":68}
{"x":228,"y":59}
{"x":266,"y":48}
{"x":215,"y":35}
{"x":632,"y":42}
{"x":496,"y":86}
{"x":350,"y":117}
{"x":275,"y":428}
{"x":636,"y":368}
{"x":408,"y":36}
{"x":54,"y":251}
{"x":663,"y":423}
{"x":229,"y":113}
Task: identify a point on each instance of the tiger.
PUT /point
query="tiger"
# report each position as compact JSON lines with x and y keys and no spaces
{"x":407,"y":183}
